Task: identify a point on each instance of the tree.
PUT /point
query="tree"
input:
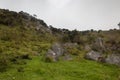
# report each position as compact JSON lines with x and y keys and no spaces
{"x":119,"y":25}
{"x":35,"y":15}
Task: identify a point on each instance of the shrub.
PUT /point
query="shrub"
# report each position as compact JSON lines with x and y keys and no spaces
{"x":3,"y":62}
{"x":72,"y":50}
{"x":48,"y":59}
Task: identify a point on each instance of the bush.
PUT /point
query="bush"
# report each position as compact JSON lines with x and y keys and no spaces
{"x":48,"y":59}
{"x":3,"y":62}
{"x":72,"y":50}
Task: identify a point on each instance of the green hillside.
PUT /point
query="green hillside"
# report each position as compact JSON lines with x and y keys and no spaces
{"x":24,"y":41}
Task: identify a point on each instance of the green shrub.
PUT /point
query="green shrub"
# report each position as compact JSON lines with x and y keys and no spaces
{"x":72,"y":50}
{"x":48,"y":59}
{"x":3,"y":62}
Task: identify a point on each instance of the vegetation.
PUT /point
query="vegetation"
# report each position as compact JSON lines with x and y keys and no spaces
{"x":36,"y":69}
{"x":24,"y":40}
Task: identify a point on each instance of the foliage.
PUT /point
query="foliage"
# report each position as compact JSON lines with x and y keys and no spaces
{"x":72,"y":50}
{"x":3,"y":62}
{"x":12,"y":18}
{"x":18,"y":36}
{"x":48,"y":59}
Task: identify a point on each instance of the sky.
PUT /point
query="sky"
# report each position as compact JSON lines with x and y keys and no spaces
{"x":71,"y":14}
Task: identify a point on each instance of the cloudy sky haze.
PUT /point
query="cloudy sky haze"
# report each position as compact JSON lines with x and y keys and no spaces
{"x":71,"y":14}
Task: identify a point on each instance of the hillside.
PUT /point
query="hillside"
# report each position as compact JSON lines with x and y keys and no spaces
{"x":32,"y":50}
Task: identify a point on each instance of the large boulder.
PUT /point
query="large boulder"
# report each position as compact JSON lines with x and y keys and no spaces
{"x":52,"y":55}
{"x":93,"y":55}
{"x":98,"y":45}
{"x":99,"y":42}
{"x":55,"y":51}
{"x":113,"y":59}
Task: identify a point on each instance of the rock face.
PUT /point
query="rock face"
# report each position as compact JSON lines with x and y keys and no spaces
{"x":87,"y":47}
{"x":93,"y":55}
{"x":55,"y":51}
{"x":98,"y":44}
{"x":113,"y":59}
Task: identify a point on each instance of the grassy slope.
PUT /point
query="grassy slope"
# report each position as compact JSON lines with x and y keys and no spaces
{"x":15,"y":41}
{"x":36,"y":69}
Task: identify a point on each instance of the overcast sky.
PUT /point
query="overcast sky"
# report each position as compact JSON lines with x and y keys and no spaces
{"x":71,"y":14}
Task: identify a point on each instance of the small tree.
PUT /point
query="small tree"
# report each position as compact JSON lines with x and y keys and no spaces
{"x":35,"y":15}
{"x":119,"y":25}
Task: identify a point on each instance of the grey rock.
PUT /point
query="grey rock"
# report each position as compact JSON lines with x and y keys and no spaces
{"x":93,"y":55}
{"x":57,"y":48}
{"x":67,"y":57}
{"x":55,"y":51}
{"x":98,"y":44}
{"x":113,"y":59}
{"x":38,"y":27}
{"x":51,"y":54}
{"x":70,"y":44}
{"x":87,"y":47}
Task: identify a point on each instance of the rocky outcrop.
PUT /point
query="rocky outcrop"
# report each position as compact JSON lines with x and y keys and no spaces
{"x":52,"y":55}
{"x":87,"y":47}
{"x":55,"y":51}
{"x":98,"y":45}
{"x":110,"y":58}
{"x":113,"y":59}
{"x":93,"y":55}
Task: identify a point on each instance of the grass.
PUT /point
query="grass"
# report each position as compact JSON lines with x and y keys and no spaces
{"x":36,"y":69}
{"x":16,"y":39}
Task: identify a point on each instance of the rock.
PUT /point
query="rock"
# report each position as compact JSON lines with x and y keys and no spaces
{"x":97,"y":45}
{"x":101,"y":59}
{"x":93,"y":55}
{"x":51,"y":54}
{"x":54,"y":52}
{"x":99,"y":42}
{"x":67,"y":57}
{"x":70,"y":44}
{"x":113,"y":59}
{"x":38,"y":27}
{"x":57,"y":49}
